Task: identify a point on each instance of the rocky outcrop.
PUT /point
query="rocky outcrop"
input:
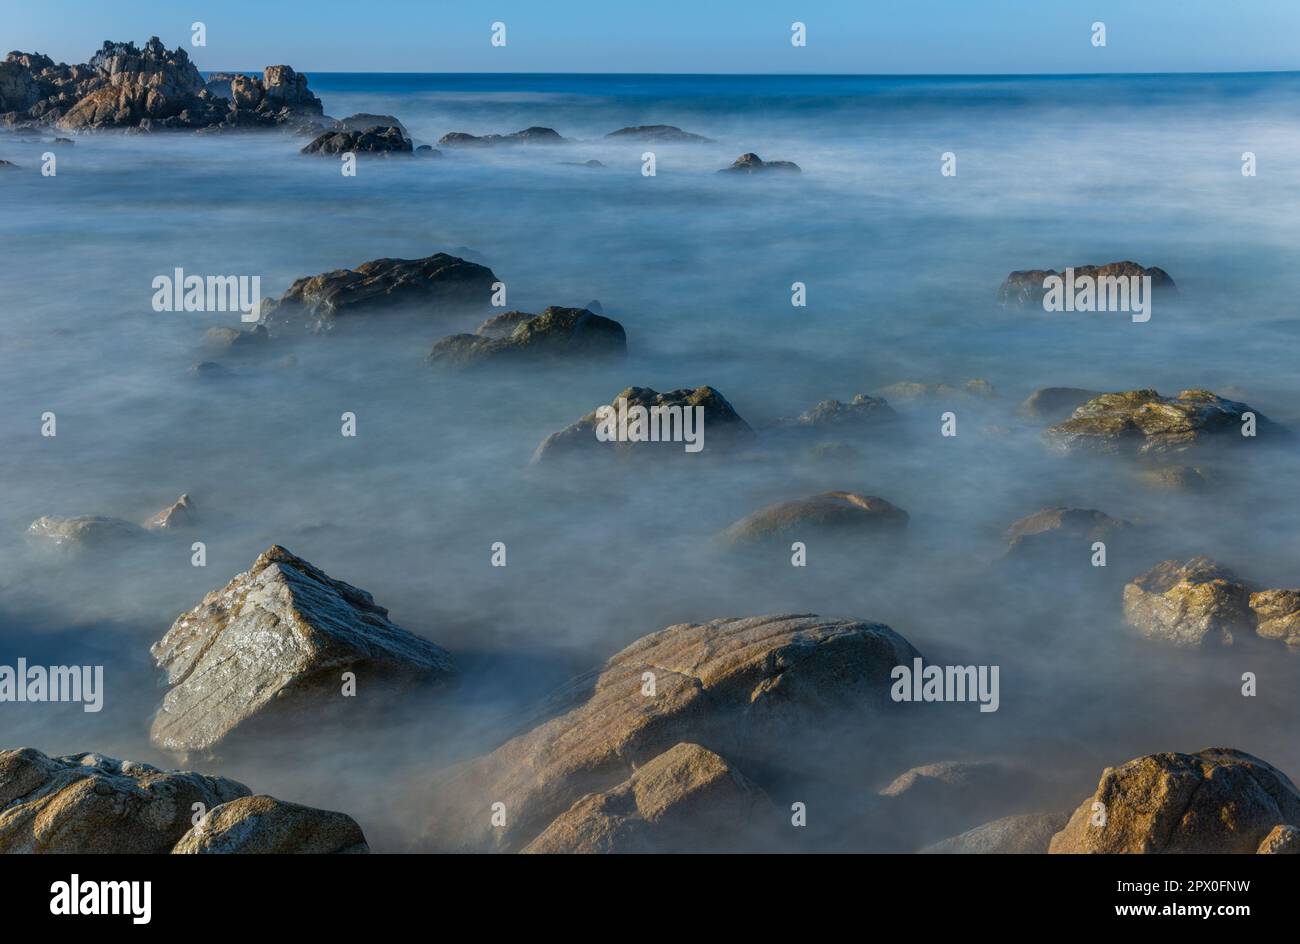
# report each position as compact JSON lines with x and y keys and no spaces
{"x":271,"y":647}
{"x":439,"y":285}
{"x":1023,"y":834}
{"x":862,"y":410}
{"x":1277,"y":615}
{"x":177,"y":516}
{"x":364,"y":121}
{"x":84,"y":532}
{"x":1281,"y":840}
{"x":383,"y":141}
{"x":724,"y":429}
{"x":831,"y":515}
{"x":1062,"y":534}
{"x":532,"y":135}
{"x":503,"y":325}
{"x":1214,"y":801}
{"x":686,"y":799}
{"x":1141,"y":422}
{"x":124,"y":86}
{"x":557,"y":334}
{"x":753,"y":164}
{"x":1025,"y":287}
{"x":658,"y":133}
{"x":1053,"y":404}
{"x":88,"y":803}
{"x":1189,"y":604}
{"x":264,"y":825}
{"x":742,"y":688}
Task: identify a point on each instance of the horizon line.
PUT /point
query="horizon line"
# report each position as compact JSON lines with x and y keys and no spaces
{"x":851,"y":75}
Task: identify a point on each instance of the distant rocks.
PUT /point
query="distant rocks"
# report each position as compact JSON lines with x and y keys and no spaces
{"x":753,"y":164}
{"x":1022,"y":834}
{"x":272,"y":645}
{"x":1054,"y":404}
{"x":1189,"y":604}
{"x":89,"y":803}
{"x":862,"y":410}
{"x":440,"y":285}
{"x":557,"y":334}
{"x":376,"y":140}
{"x":124,"y":86}
{"x":832,"y":515}
{"x":263,"y":825}
{"x":1057,"y":535}
{"x":686,"y":799}
{"x":364,"y":121}
{"x":92,"y":804}
{"x":723,"y":426}
{"x":910,"y":390}
{"x":8,"y":165}
{"x":84,"y":532}
{"x":534,"y":135}
{"x":1025,"y":287}
{"x":1214,"y":801}
{"x":1141,"y":422}
{"x":658,"y":133}
{"x":749,"y":688}
{"x":225,"y":339}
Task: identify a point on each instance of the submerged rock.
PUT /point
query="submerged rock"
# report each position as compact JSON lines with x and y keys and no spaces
{"x":724,"y":429}
{"x":1214,"y":801}
{"x":832,"y":515}
{"x":264,"y":825}
{"x":555,"y":334}
{"x":224,"y":338}
{"x":911,"y":390}
{"x":1055,"y":403}
{"x":862,"y":410}
{"x":1182,"y":478}
{"x":84,"y":532}
{"x":88,"y":803}
{"x":272,"y":645}
{"x":1141,"y":422}
{"x":1023,"y":834}
{"x":1025,"y":287}
{"x":753,"y":164}
{"x":534,"y":135}
{"x":176,"y":516}
{"x":383,"y":141}
{"x":657,"y":133}
{"x":1188,"y":604}
{"x":1058,"y":535}
{"x":440,"y":285}
{"x":747,"y":688}
{"x":686,"y":799}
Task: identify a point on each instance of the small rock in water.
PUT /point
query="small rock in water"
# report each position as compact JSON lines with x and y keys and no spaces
{"x":555,"y":334}
{"x":753,"y":164}
{"x":84,"y":532}
{"x":829,"y":515}
{"x":658,"y":133}
{"x":179,"y":514}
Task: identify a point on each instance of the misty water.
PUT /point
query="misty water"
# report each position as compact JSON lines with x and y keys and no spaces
{"x":901,"y":265}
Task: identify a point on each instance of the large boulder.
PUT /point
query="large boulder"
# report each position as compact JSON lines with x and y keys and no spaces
{"x":1214,"y":801}
{"x":1141,"y":422}
{"x":658,"y":134}
{"x":376,"y":140}
{"x":1025,"y":287}
{"x":1193,"y":603}
{"x":557,"y":334}
{"x":830,"y":515}
{"x":440,"y":285}
{"x":264,"y":825}
{"x":753,"y":164}
{"x":724,"y":430}
{"x":271,"y":647}
{"x":532,"y":135}
{"x":1022,"y":834}
{"x":745,"y":689}
{"x":684,"y":800}
{"x":88,"y":803}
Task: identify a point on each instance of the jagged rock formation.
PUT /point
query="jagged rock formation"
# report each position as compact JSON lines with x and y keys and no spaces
{"x":270,"y":648}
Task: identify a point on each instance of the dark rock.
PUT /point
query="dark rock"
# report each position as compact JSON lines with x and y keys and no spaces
{"x":1025,"y":287}
{"x":753,"y":164}
{"x":658,"y":133}
{"x":383,"y":141}
{"x":527,"y":136}
{"x":1062,"y":536}
{"x":555,"y":334}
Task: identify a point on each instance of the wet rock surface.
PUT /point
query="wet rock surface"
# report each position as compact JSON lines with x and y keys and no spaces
{"x":1194,"y":603}
{"x":565,"y":334}
{"x":374,"y":140}
{"x":1025,"y":287}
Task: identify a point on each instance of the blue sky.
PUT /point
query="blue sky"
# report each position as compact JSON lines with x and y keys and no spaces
{"x":853,"y":36}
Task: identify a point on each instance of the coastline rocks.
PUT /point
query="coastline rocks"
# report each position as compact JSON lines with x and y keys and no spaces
{"x":861,"y":410}
{"x":658,"y":134}
{"x":1142,"y":422}
{"x":1277,"y":615}
{"x":686,"y":799}
{"x":88,"y":803}
{"x":724,"y":429}
{"x":84,"y":532}
{"x":556,"y":334}
{"x":743,"y":688}
{"x":843,"y":515}
{"x":1025,"y":287}
{"x":439,"y":284}
{"x":753,"y":164}
{"x":272,"y":645}
{"x":370,"y":141}
{"x":264,"y":825}
{"x":364,"y":121}
{"x":1282,"y":840}
{"x":1214,"y":801}
{"x":534,"y":135}
{"x":1055,"y":404}
{"x":1188,"y":604}
{"x":1024,"y":834}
